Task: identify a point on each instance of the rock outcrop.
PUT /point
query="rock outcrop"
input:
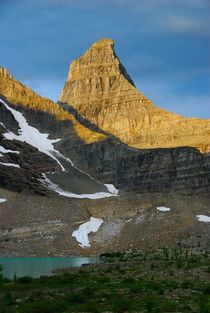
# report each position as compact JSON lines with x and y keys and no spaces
{"x":102,"y":92}
{"x":20,"y":95}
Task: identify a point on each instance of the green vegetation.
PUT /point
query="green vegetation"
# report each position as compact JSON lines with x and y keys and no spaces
{"x":165,"y":280}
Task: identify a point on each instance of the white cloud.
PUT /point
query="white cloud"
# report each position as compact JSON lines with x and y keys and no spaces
{"x":183,"y":24}
{"x":189,"y":16}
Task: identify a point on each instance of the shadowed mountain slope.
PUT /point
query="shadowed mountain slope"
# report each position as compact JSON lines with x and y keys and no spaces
{"x":20,"y":95}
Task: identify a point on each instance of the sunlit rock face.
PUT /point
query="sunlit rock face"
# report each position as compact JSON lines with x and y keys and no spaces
{"x":102,"y":92}
{"x":25,"y":98}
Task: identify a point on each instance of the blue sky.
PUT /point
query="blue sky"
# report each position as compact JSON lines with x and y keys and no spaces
{"x":164,"y":45}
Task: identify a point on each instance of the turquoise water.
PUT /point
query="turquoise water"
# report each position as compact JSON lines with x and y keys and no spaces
{"x":36,"y":267}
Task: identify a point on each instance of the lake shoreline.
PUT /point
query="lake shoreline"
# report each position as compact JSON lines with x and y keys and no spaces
{"x":36,"y":267}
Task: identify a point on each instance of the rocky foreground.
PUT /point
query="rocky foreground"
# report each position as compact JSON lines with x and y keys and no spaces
{"x":43,"y":226}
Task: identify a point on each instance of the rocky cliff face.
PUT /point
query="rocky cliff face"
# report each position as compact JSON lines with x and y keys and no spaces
{"x":102,"y":92}
{"x":182,"y":170}
{"x":30,"y":163}
{"x":107,"y":158}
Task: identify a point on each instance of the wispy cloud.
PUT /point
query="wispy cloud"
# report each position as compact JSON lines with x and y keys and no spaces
{"x":186,"y":24}
{"x":47,"y":88}
{"x":167,"y":97}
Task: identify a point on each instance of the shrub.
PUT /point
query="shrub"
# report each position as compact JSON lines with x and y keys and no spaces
{"x":206,"y":289}
{"x":43,"y":279}
{"x":128,"y":280}
{"x":37,"y":294}
{"x":24,"y":280}
{"x":91,"y":307}
{"x":160,"y":291}
{"x":186,"y":284}
{"x":103,"y":279}
{"x":169,"y":306}
{"x":204,"y":306}
{"x":88,"y":291}
{"x":149,"y":305}
{"x":134,"y":290}
{"x":121,"y":305}
{"x":8,"y":299}
{"x":76,"y":298}
{"x":44,"y":306}
{"x":1,"y":276}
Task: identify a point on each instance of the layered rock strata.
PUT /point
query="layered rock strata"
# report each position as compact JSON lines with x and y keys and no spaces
{"x":102,"y":92}
{"x":182,"y":170}
{"x":20,"y":95}
{"x":107,"y":158}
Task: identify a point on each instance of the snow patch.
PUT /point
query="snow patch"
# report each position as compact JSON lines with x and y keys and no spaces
{"x":10,"y":164}
{"x":111,"y":188}
{"x":2,"y":200}
{"x":163,"y":209}
{"x":3,"y":150}
{"x":32,"y":136}
{"x":61,"y":192}
{"x":2,"y":123}
{"x":81,"y":234}
{"x":203,"y":218}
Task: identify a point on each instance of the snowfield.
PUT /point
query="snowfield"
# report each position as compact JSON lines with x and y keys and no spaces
{"x":32,"y":136}
{"x":203,"y":218}
{"x":163,"y":209}
{"x":81,"y":234}
{"x":35,"y":138}
{"x":65,"y":193}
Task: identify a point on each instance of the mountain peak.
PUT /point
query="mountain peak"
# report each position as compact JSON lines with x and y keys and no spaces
{"x":103,"y":42}
{"x":103,"y":93}
{"x":99,"y":61}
